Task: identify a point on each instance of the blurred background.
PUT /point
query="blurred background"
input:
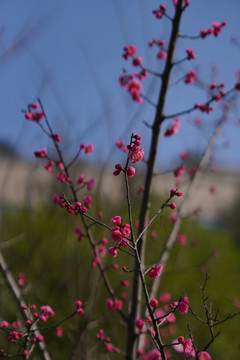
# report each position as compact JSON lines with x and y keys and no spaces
{"x":69,"y":54}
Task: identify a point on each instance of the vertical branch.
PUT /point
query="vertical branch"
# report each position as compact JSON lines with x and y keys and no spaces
{"x":159,"y":117}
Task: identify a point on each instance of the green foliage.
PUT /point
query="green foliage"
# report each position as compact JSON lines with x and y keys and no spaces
{"x":59,"y":271}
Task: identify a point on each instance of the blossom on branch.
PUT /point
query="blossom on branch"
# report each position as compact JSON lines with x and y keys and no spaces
{"x":136,"y":154}
{"x":155,"y":271}
{"x":172,"y":128}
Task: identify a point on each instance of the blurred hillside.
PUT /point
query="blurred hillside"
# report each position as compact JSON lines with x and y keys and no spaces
{"x":27,"y":183}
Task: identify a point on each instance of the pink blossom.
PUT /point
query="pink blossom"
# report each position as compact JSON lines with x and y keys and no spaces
{"x":171,"y":318}
{"x":126,"y":231}
{"x":110,"y":304}
{"x":116,"y":172}
{"x":124,"y":242}
{"x":190,"y":54}
{"x":188,"y":348}
{"x":47,"y":311}
{"x":173,"y":217}
{"x":129,"y":51}
{"x":203,"y":355}
{"x":81,"y":179}
{"x":78,"y":304}
{"x":184,"y":155}
{"x":161,"y":42}
{"x":113,"y":251}
{"x":116,"y":235}
{"x":153,"y":355}
{"x":165,"y":297}
{"x":89,"y":149}
{"x":172,"y":128}
{"x":141,"y":75}
{"x":34,"y":116}
{"x":190,"y":77}
{"x":40,"y":153}
{"x":182,"y":307}
{"x":90,"y":184}
{"x":130,"y":171}
{"x":120,"y":144}
{"x":83,"y":146}
{"x":21,"y":279}
{"x":80,"y":311}
{"x":136,"y":154}
{"x":134,"y":88}
{"x":139,"y":324}
{"x":48,"y":166}
{"x":137,"y":61}
{"x":179,"y":171}
{"x":101,"y":250}
{"x":162,"y":55}
{"x":59,"y":331}
{"x":118,"y":304}
{"x":109,"y":347}
{"x":88,"y":201}
{"x":178,"y":347}
{"x":78,"y":230}
{"x":34,"y":105}
{"x":154,"y":303}
{"x":155,"y":271}
{"x":213,"y":189}
{"x":4,"y":324}
{"x":56,"y":137}
{"x":116,"y":220}
{"x":182,"y":239}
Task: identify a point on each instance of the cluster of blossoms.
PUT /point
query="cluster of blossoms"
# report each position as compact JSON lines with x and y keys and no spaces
{"x":76,"y":209}
{"x":217,"y":91}
{"x":106,"y":341}
{"x":190,"y":54}
{"x":159,"y":12}
{"x":33,"y":115}
{"x":165,"y":318}
{"x":162,"y":54}
{"x":120,"y":144}
{"x":215,"y":29}
{"x":179,"y":171}
{"x":204,"y":107}
{"x":87,"y":148}
{"x":79,"y":308}
{"x":25,"y":336}
{"x":155,"y":271}
{"x":45,"y":312}
{"x":113,"y":305}
{"x":135,"y":155}
{"x":129,"y":82}
{"x":41,"y":153}
{"x":119,"y":234}
{"x":190,"y":77}
{"x":17,"y":331}
{"x":182,"y":305}
{"x":21,"y":279}
{"x":186,"y":346}
{"x":90,"y":183}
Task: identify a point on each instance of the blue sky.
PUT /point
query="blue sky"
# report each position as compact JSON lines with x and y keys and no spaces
{"x":69,"y":53}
